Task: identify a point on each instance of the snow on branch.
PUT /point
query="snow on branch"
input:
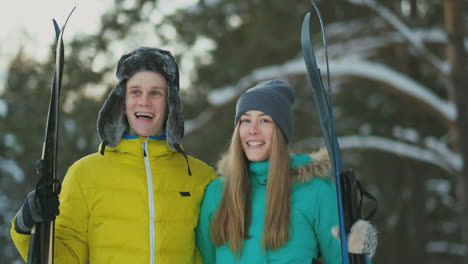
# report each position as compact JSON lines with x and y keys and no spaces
{"x":397,"y":81}
{"x":396,"y":147}
{"x":369,"y":44}
{"x":407,"y":33}
{"x":441,"y":148}
{"x":199,"y":122}
{"x":342,"y":37}
{"x":340,"y":67}
{"x":225,"y":95}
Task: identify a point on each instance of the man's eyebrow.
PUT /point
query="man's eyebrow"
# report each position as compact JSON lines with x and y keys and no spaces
{"x":134,"y":86}
{"x":159,"y":88}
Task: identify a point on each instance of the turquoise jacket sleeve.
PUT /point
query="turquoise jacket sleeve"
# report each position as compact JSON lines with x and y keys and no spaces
{"x":202,"y":232}
{"x":330,"y":247}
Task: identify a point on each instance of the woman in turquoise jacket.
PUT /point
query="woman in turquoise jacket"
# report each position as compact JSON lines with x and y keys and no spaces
{"x":271,"y":206}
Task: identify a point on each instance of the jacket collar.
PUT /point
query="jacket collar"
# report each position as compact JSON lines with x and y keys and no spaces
{"x":303,"y":167}
{"x":133,"y":145}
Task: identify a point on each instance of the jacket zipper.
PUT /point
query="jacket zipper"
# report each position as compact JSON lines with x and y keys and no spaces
{"x":149,"y":179}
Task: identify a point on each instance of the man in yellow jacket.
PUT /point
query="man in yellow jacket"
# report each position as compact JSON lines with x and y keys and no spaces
{"x":137,"y":200}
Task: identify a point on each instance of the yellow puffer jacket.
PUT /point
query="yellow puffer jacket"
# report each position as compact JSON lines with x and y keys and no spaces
{"x":105,"y":213}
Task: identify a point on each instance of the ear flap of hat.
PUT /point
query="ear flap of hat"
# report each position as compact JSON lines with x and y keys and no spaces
{"x":175,"y":118}
{"x":111,"y":121}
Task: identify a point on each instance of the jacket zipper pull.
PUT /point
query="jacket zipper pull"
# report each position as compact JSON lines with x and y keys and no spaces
{"x":144,"y":148}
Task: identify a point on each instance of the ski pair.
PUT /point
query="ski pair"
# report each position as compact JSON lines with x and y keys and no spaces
{"x":349,"y":209}
{"x":41,"y":247}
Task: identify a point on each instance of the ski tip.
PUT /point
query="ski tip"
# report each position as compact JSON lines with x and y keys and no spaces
{"x":69,"y":15}
{"x":56,"y":28}
{"x":55,"y":23}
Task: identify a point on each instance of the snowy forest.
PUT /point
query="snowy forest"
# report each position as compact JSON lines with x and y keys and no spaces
{"x":400,"y":90}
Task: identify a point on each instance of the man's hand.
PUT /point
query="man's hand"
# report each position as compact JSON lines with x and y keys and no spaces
{"x":41,"y":205}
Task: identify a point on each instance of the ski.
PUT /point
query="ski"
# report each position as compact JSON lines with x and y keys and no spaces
{"x":349,"y":209}
{"x":41,"y":248}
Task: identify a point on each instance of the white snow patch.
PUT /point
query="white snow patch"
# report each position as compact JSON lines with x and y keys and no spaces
{"x":194,"y":9}
{"x":350,"y":65}
{"x":450,"y":157}
{"x":3,"y":203}
{"x":365,"y":129}
{"x":389,"y":146}
{"x":3,"y":108}
{"x":199,"y":121}
{"x":70,"y":126}
{"x":415,"y":39}
{"x":407,"y":134}
{"x":81,"y":143}
{"x":9,"y":140}
{"x":6,"y":211}
{"x":9,"y":167}
{"x":398,"y":81}
{"x":395,"y":147}
{"x":211,"y":2}
{"x":441,"y":186}
{"x":234,"y":21}
{"x":223,"y":95}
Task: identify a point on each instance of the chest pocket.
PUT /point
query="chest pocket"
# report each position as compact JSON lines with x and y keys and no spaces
{"x":179,"y":206}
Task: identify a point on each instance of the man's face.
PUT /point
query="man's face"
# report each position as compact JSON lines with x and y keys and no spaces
{"x":145,"y":103}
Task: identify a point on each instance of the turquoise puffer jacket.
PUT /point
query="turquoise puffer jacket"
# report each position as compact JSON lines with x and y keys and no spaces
{"x":313,"y":214}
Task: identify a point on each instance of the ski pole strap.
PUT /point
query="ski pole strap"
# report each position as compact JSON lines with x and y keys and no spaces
{"x":353,"y":195}
{"x":363,"y":192}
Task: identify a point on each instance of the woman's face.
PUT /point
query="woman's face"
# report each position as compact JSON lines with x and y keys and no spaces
{"x":256,"y":132}
{"x":145,"y":103}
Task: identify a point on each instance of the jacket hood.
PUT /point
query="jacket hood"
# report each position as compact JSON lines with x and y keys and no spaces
{"x":318,"y":167}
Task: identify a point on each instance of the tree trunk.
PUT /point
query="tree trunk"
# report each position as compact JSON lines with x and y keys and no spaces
{"x":454,"y":23}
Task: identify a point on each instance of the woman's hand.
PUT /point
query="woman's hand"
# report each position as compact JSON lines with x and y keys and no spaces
{"x":362,"y":239}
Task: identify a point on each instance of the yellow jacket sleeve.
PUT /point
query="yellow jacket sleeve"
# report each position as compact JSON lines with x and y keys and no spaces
{"x":70,"y":227}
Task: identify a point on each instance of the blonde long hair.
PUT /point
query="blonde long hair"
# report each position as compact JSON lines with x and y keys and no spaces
{"x":233,"y":216}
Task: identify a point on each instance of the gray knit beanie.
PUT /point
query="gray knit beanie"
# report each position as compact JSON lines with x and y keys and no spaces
{"x":112,"y":122}
{"x":274,"y":98}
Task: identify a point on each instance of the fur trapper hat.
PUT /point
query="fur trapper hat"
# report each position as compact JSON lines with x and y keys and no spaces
{"x":112,"y":121}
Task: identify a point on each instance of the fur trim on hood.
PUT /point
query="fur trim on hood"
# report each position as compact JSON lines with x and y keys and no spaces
{"x":317,"y":168}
